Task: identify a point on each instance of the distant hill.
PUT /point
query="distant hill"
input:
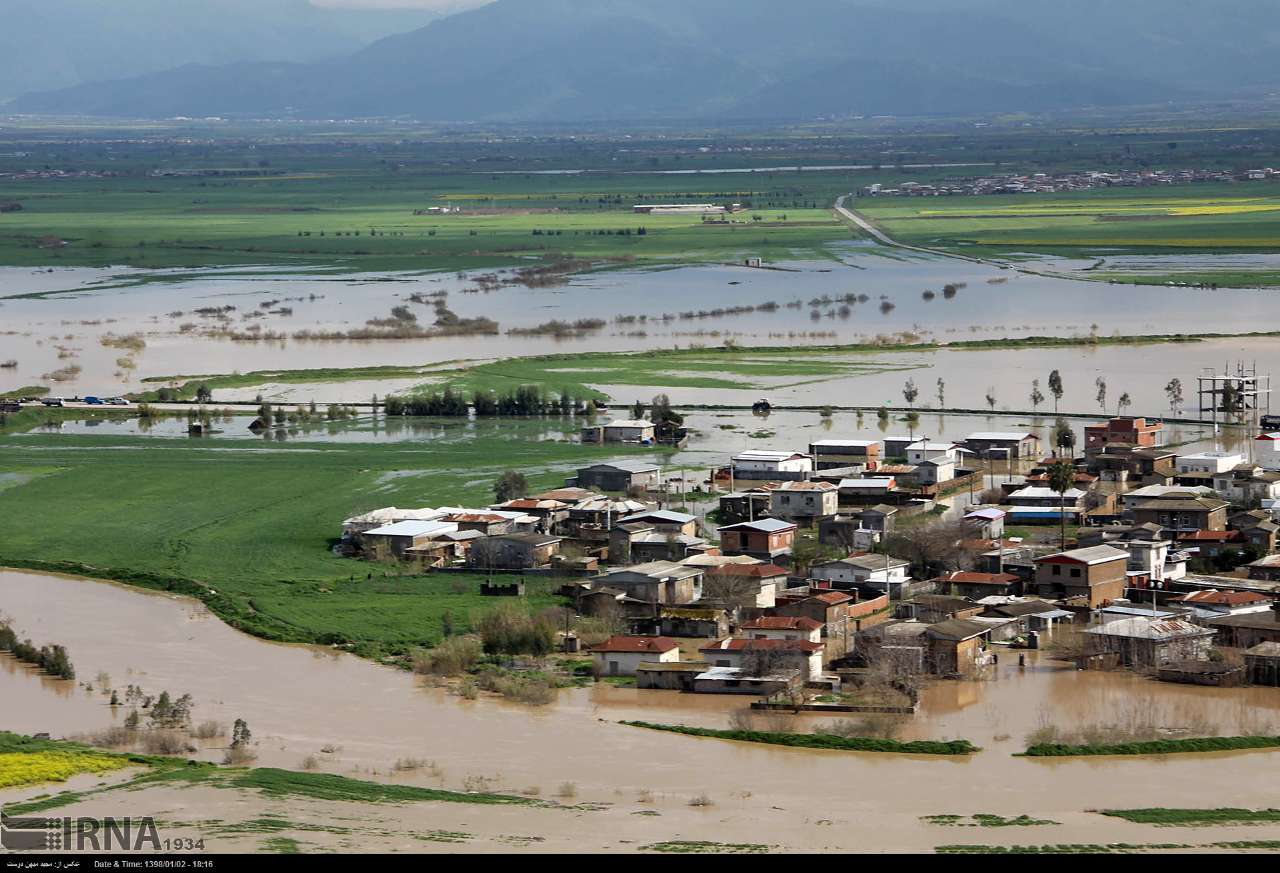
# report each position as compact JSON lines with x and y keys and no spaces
{"x":580,"y":60}
{"x":48,"y":44}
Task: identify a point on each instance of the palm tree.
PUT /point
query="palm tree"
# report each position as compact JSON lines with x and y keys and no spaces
{"x":1062,"y":476}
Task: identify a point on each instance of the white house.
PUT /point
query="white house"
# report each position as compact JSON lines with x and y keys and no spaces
{"x":739,"y":653}
{"x":765,"y":461}
{"x":1208,"y":462}
{"x":804,"y":500}
{"x":783,"y":627}
{"x":884,"y":572}
{"x":621,"y":655}
{"x":918,"y":453}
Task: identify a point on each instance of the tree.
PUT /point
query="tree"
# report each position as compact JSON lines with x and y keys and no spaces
{"x":637,"y":411}
{"x":1056,"y":389}
{"x":1063,"y":436}
{"x":932,"y":549}
{"x":509,"y":486}
{"x":991,"y":398}
{"x":1062,"y":477}
{"x":731,"y":592}
{"x":1101,"y":385}
{"x":942,"y":393}
{"x":1174,"y":392}
{"x":910,"y":392}
{"x":1230,"y":398}
{"x":807,"y":552}
{"x":1123,"y":403}
{"x":1037,"y":396}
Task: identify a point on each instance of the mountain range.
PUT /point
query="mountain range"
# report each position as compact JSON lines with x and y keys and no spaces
{"x":640,"y":60}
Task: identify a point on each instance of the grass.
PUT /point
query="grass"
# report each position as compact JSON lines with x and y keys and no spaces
{"x":334,"y":209}
{"x":246,"y":527}
{"x":1153,"y":747}
{"x":1102,"y":848}
{"x":1176,"y":218}
{"x":1219,"y":816}
{"x":820,"y":741}
{"x":705,"y":847}
{"x":986,"y":820}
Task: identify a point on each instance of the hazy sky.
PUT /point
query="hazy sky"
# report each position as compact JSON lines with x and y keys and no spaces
{"x":436,"y":5}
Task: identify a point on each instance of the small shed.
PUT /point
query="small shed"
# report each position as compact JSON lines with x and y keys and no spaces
{"x":1262,"y":664}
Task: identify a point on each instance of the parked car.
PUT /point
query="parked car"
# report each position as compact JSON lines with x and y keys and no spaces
{"x":118,"y":401}
{"x":53,"y":401}
{"x":93,"y":401}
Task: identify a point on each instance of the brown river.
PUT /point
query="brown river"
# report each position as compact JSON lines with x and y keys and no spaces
{"x":359,"y":718}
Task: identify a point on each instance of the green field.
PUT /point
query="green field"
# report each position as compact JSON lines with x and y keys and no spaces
{"x":347,"y":213}
{"x":256,"y":521}
{"x":1169,"y":220}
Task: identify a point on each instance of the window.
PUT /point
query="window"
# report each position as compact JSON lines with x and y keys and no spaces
{"x":1075,"y":572}
{"x":1057,"y":570}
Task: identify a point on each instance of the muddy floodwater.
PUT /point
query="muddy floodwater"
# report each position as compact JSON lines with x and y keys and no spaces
{"x":359,"y":718}
{"x":183,"y":322}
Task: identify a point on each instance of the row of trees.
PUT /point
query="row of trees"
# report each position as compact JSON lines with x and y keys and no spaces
{"x":53,"y":659}
{"x":525,"y":400}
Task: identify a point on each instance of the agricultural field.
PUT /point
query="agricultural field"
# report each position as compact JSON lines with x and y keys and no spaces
{"x":351,"y":215}
{"x":255,"y":521}
{"x":1168,"y":220}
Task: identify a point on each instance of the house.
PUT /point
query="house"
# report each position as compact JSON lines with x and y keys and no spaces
{"x":764,"y":464}
{"x":1247,"y":485}
{"x":935,"y":470}
{"x":1149,"y":642}
{"x":353,"y":527}
{"x":1207,"y":462}
{"x":985,"y":523}
{"x":782,"y":627}
{"x":655,"y":545}
{"x":550,"y":513}
{"x":620,"y":431}
{"x":804,"y":502}
{"x":622,"y":655}
{"x":600,"y":512}
{"x":925,"y":450}
{"x":964,"y":583}
{"x":692,"y":621}
{"x":571,"y":495}
{"x":746,"y":505}
{"x":1140,"y":497}
{"x":1030,"y":614}
{"x":1212,"y":603}
{"x":871,"y":490}
{"x":1123,"y":464}
{"x":1265,"y":569}
{"x":519,"y":551}
{"x":882,"y":572}
{"x":394,"y":539}
{"x":1247,"y":630}
{"x":618,"y":476}
{"x":765,"y":656}
{"x":1004,"y":445}
{"x":1257,"y":528}
{"x":664,"y":520}
{"x":486,"y":523}
{"x":830,"y":454}
{"x":729,"y":680}
{"x":938,"y":607}
{"x":1039,"y":505}
{"x":1262,"y":664}
{"x":669,"y":675}
{"x":896,"y":446}
{"x":830,"y":608}
{"x":1182,"y":513}
{"x":955,"y":646}
{"x":1123,"y":432}
{"x":766,"y":538}
{"x":663,"y":582}
{"x":734,"y":585}
{"x":1097,"y":573}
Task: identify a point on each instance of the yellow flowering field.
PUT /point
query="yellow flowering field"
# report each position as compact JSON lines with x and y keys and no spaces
{"x":32,"y":768}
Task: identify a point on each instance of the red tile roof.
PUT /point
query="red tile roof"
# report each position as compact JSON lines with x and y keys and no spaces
{"x":832,"y":598}
{"x":636,"y":644}
{"x":783,"y":622}
{"x":1226,"y":598}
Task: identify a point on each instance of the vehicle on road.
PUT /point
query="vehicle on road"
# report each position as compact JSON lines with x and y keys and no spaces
{"x":93,"y":401}
{"x":117,"y":401}
{"x":53,"y":401}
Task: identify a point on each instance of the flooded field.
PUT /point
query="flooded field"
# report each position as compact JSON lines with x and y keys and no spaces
{"x":72,"y":339}
{"x":357,"y":718}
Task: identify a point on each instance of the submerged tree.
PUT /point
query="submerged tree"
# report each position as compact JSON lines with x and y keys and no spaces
{"x":1056,"y":389}
{"x":1174,"y":392}
{"x":910,"y":392}
{"x":510,"y":486}
{"x":1037,"y":396}
{"x":1101,"y":385}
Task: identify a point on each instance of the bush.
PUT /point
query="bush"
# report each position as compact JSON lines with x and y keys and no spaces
{"x":509,"y":629}
{"x":454,"y":656}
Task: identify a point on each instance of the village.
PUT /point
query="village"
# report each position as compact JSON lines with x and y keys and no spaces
{"x":1053,"y":183}
{"x":844,"y":576}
